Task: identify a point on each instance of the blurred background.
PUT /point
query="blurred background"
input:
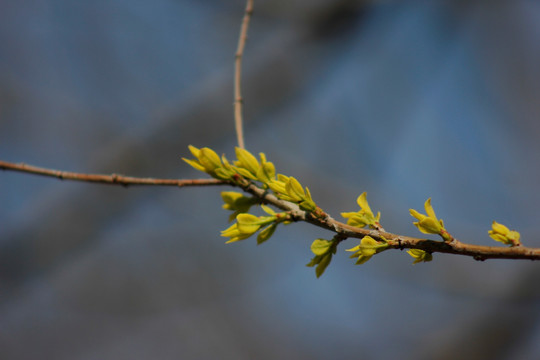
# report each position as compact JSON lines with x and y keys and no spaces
{"x":404,"y":100}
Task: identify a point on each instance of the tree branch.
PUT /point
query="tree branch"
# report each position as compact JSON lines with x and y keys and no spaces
{"x":238,"y":101}
{"x":396,"y":241}
{"x":113,"y":179}
{"x":319,"y":218}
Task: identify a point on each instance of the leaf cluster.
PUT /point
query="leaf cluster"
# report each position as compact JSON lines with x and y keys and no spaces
{"x":247,"y":171}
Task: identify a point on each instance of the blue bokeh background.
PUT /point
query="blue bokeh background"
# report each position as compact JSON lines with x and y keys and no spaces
{"x":404,"y":100}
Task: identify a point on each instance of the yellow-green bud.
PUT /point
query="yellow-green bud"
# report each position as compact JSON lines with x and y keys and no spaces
{"x":501,"y":233}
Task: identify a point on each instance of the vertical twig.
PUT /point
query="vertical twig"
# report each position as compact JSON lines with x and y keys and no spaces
{"x":238,"y":101}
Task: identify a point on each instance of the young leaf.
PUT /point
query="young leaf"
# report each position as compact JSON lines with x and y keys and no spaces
{"x":223,"y":173}
{"x":321,"y":246}
{"x":362,"y":202}
{"x":266,"y":233}
{"x":429,"y":224}
{"x":248,"y":223}
{"x":247,"y":160}
{"x":277,"y":186}
{"x":245,"y":173}
{"x":195,"y":164}
{"x":420,"y":255}
{"x":323,"y":264}
{"x":234,"y":235}
{"x":266,"y":172}
{"x":283,"y":178}
{"x":209,"y":159}
{"x":194,"y":151}
{"x":268,"y":210}
{"x":294,"y":189}
{"x":501,"y":233}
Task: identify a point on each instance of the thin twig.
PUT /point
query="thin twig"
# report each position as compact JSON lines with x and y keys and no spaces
{"x":238,"y":100}
{"x":113,"y":179}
